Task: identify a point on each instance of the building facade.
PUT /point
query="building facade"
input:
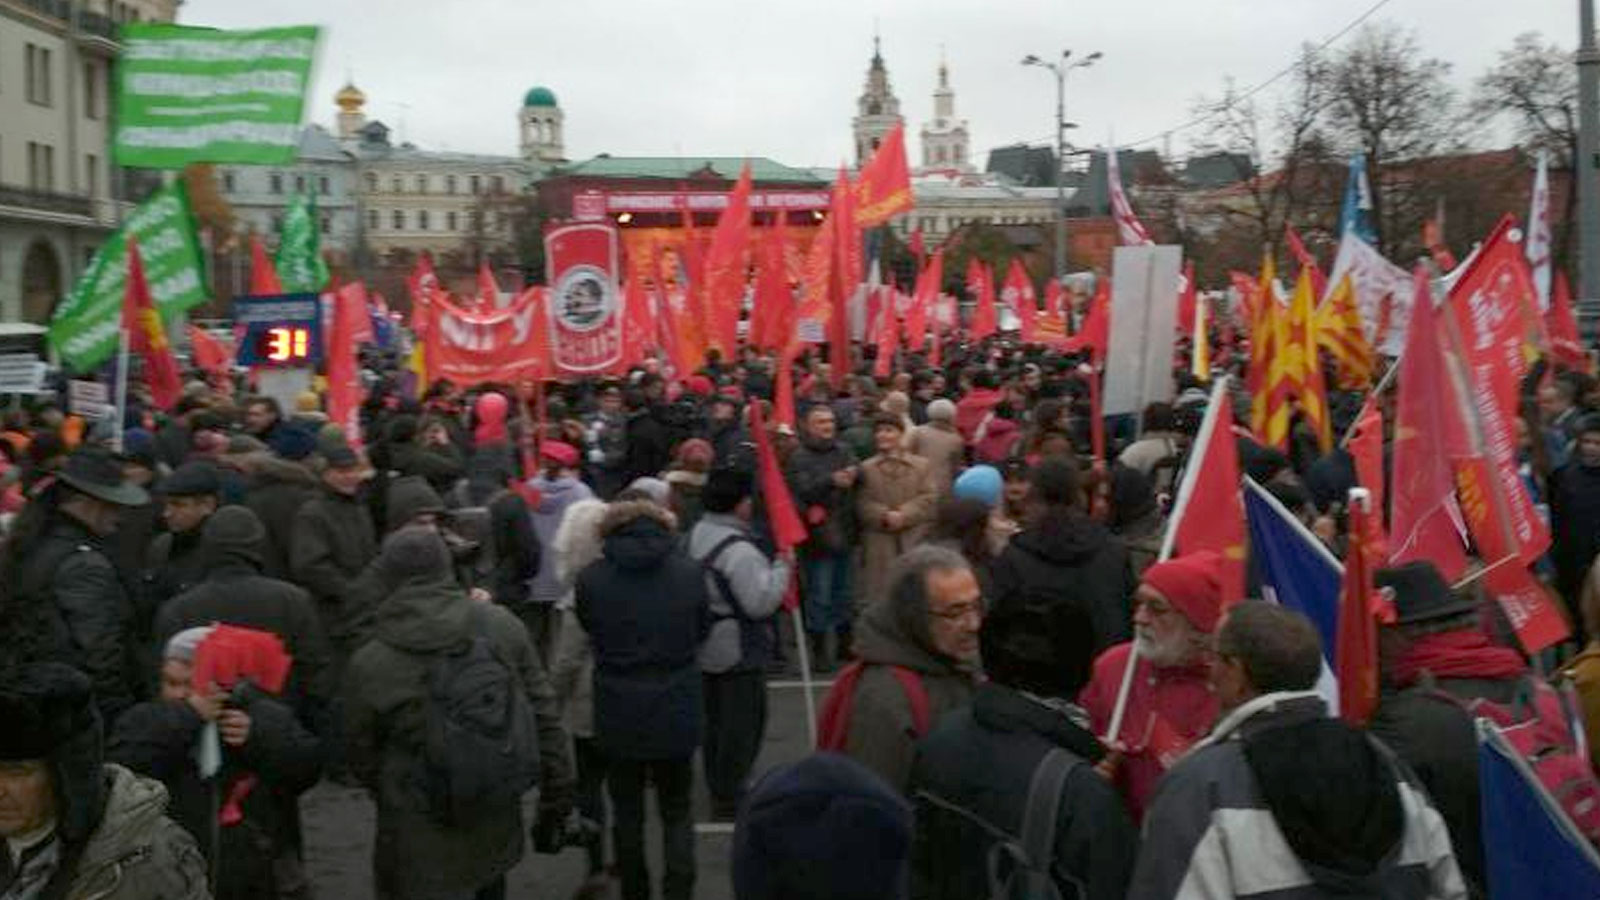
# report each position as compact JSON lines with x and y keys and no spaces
{"x":944,"y":137}
{"x":946,"y":204}
{"x":322,"y":170}
{"x":58,"y":190}
{"x":877,"y":109}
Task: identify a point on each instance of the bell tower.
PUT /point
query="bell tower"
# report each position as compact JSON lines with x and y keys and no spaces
{"x":877,"y":109}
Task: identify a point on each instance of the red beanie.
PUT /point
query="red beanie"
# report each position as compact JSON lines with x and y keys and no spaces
{"x":699,"y":385}
{"x":1193,"y":585}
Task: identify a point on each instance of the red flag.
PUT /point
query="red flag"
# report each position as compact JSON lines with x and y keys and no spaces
{"x":772,"y":296}
{"x":263,"y":275}
{"x":918,"y":248}
{"x":1186,"y":300}
{"x":1019,"y":295}
{"x":1308,"y":262}
{"x":725,"y":268}
{"x":1208,"y":513}
{"x":691,"y":325}
{"x":883,"y":189}
{"x":984,"y":318}
{"x":422,"y":283}
{"x":783,"y":391}
{"x":845,"y":275}
{"x":888,"y":334}
{"x":1428,"y":431}
{"x":344,"y":369}
{"x":147,"y":335}
{"x":922,"y":300}
{"x":1096,"y":331}
{"x":488,"y":291}
{"x":208,"y":352}
{"x":1054,"y":299}
{"x":1366,"y":450}
{"x":1355,"y":660}
{"x":637,"y":324}
{"x":788,"y":531}
{"x":1562,"y":327}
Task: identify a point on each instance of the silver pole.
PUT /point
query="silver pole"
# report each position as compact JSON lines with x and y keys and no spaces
{"x":1585,"y":170}
{"x":1061,"y":152}
{"x":122,"y":392}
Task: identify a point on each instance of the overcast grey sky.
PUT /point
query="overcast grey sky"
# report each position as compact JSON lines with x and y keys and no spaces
{"x":780,"y":79}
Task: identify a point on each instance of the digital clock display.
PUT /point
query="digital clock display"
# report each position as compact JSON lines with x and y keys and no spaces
{"x":284,"y":344}
{"x":279,"y":331}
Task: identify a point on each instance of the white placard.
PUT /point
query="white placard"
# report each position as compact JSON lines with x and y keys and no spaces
{"x":1144,"y":315}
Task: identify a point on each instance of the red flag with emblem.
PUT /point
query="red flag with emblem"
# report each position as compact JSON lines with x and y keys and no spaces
{"x":147,"y":335}
{"x":883,"y":189}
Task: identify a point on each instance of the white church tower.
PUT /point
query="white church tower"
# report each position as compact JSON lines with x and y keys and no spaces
{"x":944,"y":138}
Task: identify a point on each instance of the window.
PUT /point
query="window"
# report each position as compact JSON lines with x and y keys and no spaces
{"x":497,"y":184}
{"x":422,"y":220}
{"x":472,"y":220}
{"x":299,"y":184}
{"x":395,"y":185}
{"x":322,"y":185}
{"x":449,"y":184}
{"x":91,"y":91}
{"x":38,"y":75}
{"x":372,"y":182}
{"x":277,"y":224}
{"x":372,"y":219}
{"x":275,"y":182}
{"x":41,"y":166}
{"x":450,"y":221}
{"x":399,"y":220}
{"x":474,"y":185}
{"x":327,"y":225}
{"x":227,"y":182}
{"x":91,"y":165}
{"x":422,"y":184}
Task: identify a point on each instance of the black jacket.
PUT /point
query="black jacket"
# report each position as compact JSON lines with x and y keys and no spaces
{"x":1067,"y":557}
{"x":1574,"y":524}
{"x":332,"y":543}
{"x":810,"y":476}
{"x":277,"y":489}
{"x":441,"y":466}
{"x":981,"y":760}
{"x":516,"y":551}
{"x":645,"y":607}
{"x":174,"y":564}
{"x":158,"y":739}
{"x":651,"y":438}
{"x":1436,"y":738}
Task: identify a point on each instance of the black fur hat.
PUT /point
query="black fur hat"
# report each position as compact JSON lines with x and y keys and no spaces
{"x":49,"y":714}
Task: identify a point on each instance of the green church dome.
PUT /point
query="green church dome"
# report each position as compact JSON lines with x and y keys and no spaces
{"x":539,"y":96}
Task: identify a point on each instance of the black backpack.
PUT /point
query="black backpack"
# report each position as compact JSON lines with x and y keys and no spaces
{"x":756,"y":639}
{"x":481,"y":743}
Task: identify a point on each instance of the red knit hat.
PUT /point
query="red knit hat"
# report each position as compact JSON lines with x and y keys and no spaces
{"x":699,"y":385}
{"x":560,"y":453}
{"x":1193,"y":585}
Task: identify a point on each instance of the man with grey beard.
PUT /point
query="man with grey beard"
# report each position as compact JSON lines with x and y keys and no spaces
{"x":1170,"y":701}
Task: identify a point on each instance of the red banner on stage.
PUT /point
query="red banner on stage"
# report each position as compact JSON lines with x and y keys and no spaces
{"x":584,"y":311}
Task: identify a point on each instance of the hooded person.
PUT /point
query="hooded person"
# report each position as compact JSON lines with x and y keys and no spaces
{"x":245,"y":815}
{"x":275,"y":489}
{"x":1437,"y":659}
{"x":558,"y":487}
{"x":973,"y":780}
{"x":1063,"y":556}
{"x":1170,"y":700}
{"x":823,"y":828}
{"x":419,"y":852}
{"x":492,"y":463}
{"x":74,"y":825}
{"x":924,"y":627}
{"x":235,"y":591}
{"x":645,"y":606}
{"x":1284,"y":800}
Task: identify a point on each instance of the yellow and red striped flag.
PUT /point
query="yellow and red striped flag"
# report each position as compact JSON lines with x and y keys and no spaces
{"x":1305,"y":365}
{"x":1341,"y":333}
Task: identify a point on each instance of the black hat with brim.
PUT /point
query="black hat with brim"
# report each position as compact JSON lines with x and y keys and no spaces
{"x":97,"y":473}
{"x":1421,"y":594}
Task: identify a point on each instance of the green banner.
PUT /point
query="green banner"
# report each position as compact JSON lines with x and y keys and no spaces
{"x":86,"y":324}
{"x":188,"y":94}
{"x":301,"y":269}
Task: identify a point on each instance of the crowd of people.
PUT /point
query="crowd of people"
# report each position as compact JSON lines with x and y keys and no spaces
{"x":574,"y":587}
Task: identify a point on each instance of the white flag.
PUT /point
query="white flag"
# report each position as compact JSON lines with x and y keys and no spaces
{"x":1130,"y":231}
{"x":1538,"y":243}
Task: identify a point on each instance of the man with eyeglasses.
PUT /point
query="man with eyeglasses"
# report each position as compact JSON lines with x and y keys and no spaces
{"x":1170,"y":702}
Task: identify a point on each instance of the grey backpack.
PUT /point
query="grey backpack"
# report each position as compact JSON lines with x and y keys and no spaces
{"x":1019,"y":869}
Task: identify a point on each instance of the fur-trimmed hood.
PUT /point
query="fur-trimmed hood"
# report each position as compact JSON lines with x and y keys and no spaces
{"x":637,"y":534}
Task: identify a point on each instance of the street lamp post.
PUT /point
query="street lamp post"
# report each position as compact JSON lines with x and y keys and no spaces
{"x":1583,"y":169}
{"x":1060,"y":70}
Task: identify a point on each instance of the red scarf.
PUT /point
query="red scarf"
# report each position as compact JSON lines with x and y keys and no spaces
{"x":1458,"y":654}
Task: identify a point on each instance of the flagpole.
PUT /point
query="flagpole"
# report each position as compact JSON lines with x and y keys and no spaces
{"x":122,"y":390}
{"x":1185,"y":490}
{"x":805,"y":670}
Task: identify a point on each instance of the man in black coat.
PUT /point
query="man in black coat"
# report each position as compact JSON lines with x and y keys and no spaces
{"x":822,"y":474}
{"x":275,"y":490}
{"x":972,"y":776}
{"x":332,"y":543}
{"x":1064,"y":557}
{"x":1575,"y":517}
{"x":174,"y":562}
{"x":645,"y":607}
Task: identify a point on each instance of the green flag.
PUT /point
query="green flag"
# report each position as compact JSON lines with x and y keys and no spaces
{"x":187,"y":94}
{"x":86,"y":324}
{"x":299,"y":263}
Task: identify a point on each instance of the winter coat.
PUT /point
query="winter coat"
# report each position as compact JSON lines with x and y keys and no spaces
{"x":576,"y":545}
{"x":1066,"y":557}
{"x":1182,"y":698}
{"x":981,"y":760}
{"x":158,"y":739}
{"x":829,"y":510}
{"x":417,"y":856}
{"x":644,"y":606}
{"x":1143,"y":454}
{"x":517,"y":555}
{"x":555,"y":495}
{"x":1584,"y":670}
{"x":332,"y":543}
{"x":490,"y":468}
{"x":277,"y":489}
{"x":1437,"y":740}
{"x":650,"y":441}
{"x":941,"y":445}
{"x":75,"y":601}
{"x":174,"y":564}
{"x":441,"y":466}
{"x":1282,"y":801}
{"x":742,"y":640}
{"x":973,"y":408}
{"x":1574,"y":524}
{"x":882,"y":734}
{"x":135,"y":852}
{"x":888,"y":483}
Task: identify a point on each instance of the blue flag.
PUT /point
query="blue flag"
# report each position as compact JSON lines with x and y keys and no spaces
{"x":1531,"y":851}
{"x":1296,"y":570}
{"x":1357,"y":211}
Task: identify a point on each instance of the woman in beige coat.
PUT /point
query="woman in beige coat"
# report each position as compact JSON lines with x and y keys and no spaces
{"x":895,"y":503}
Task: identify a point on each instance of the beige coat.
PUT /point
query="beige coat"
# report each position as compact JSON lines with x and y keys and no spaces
{"x":942,"y":447}
{"x":901,"y":482}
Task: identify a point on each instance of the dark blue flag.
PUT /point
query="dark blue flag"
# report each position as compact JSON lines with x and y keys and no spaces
{"x":1531,"y":850}
{"x":1296,"y":569}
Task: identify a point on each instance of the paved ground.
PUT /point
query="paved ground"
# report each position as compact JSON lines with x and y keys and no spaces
{"x":339,"y":827}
